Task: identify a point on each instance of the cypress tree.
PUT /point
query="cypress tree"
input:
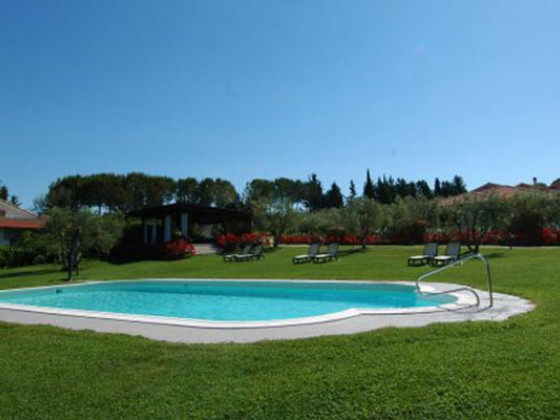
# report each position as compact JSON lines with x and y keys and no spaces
{"x":352,"y":189}
{"x":369,"y":190}
{"x":437,"y":188}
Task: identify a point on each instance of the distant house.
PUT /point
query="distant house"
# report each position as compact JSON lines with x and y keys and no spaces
{"x":505,"y":191}
{"x":14,"y":221}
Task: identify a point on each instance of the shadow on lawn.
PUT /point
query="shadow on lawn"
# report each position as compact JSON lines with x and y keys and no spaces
{"x":495,"y":255}
{"x":123,"y":261}
{"x":348,"y":252}
{"x":134,"y":260}
{"x":29,"y":273}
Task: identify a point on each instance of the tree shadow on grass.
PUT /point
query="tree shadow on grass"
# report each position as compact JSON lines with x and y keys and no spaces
{"x":348,"y":252}
{"x":29,"y":273}
{"x":133,"y":260}
{"x":495,"y":255}
{"x":123,"y":261}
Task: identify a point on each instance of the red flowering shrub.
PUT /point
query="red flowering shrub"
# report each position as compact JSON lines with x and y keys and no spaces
{"x":495,"y":237}
{"x":231,"y":241}
{"x":439,"y":237}
{"x":546,"y":236}
{"x":178,"y":249}
{"x":254,"y":238}
{"x":295,"y":239}
{"x":550,"y":236}
{"x":341,"y":239}
{"x":300,"y":239}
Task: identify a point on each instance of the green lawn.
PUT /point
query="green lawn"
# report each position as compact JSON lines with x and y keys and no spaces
{"x":465,"y":370}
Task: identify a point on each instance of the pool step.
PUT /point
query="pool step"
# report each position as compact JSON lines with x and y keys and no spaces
{"x":206,"y":249}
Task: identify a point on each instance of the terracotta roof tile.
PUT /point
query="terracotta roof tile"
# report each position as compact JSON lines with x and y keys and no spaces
{"x":22,"y":223}
{"x":555,"y":185}
{"x":502,"y":191}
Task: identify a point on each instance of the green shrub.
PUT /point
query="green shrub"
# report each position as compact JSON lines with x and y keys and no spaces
{"x":30,"y":248}
{"x":4,"y":251}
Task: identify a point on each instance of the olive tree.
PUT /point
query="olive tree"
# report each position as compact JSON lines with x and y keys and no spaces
{"x":474,"y":217}
{"x":319,"y":223}
{"x":361,"y":217}
{"x":552,"y":211}
{"x":530,"y":213}
{"x":274,"y":216}
{"x":409,"y":217}
{"x":75,"y":233}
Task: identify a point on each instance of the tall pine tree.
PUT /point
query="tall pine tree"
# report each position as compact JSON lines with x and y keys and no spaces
{"x":422,"y":188}
{"x":15,"y":200}
{"x":333,"y":197}
{"x":4,"y":193}
{"x":458,"y":185}
{"x":369,"y":190}
{"x":314,"y":199}
{"x":386,"y":190}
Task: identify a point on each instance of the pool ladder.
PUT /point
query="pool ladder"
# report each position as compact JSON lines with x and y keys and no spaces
{"x":465,"y":288}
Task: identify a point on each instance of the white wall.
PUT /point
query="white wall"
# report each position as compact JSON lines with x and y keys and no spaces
{"x":13,"y":212}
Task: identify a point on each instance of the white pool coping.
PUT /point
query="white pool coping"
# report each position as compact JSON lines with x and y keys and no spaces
{"x":199,"y":331}
{"x":464,"y":299}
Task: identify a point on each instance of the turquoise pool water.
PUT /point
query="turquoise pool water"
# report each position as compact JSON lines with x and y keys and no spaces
{"x":224,"y":300}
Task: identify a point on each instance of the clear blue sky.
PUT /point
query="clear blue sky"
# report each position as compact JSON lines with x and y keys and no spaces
{"x":245,"y":89}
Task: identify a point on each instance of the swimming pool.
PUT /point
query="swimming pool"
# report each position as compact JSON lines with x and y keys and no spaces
{"x":224,"y":302}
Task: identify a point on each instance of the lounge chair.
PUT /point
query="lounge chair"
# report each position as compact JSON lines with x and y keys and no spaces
{"x":233,"y":257}
{"x":255,"y":253}
{"x":452,"y":252}
{"x":332,"y":253}
{"x":430,"y":251}
{"x":311,"y":253}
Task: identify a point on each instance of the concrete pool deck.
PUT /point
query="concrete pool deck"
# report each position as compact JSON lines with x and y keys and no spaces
{"x":504,"y":307}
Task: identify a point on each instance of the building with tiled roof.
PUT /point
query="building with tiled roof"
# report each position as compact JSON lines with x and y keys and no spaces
{"x":505,"y":191}
{"x":555,"y":185}
{"x":14,"y":221}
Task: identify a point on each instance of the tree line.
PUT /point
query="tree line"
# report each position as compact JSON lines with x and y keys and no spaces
{"x":108,"y":192}
{"x":284,"y":206}
{"x":522,"y":219}
{"x":72,"y":229}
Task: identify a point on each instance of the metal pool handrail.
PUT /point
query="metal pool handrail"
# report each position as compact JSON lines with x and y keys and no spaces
{"x":454,"y":264}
